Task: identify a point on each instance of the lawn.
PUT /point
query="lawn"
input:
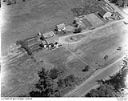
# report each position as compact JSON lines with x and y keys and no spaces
{"x":97,"y":44}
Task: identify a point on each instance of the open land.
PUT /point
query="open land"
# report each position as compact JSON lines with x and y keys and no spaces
{"x":91,"y":50}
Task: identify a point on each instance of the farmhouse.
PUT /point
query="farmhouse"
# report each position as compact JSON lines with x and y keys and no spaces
{"x":49,"y":34}
{"x":61,"y":27}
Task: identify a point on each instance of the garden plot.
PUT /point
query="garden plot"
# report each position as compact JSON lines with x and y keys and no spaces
{"x":94,"y":20}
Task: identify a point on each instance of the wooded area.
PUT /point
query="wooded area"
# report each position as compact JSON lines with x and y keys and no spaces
{"x":112,"y":87}
{"x":120,"y":3}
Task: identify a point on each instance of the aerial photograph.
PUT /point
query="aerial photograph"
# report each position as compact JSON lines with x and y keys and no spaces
{"x":64,"y":48}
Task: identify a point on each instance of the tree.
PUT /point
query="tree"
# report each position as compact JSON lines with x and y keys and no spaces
{"x":111,"y":87}
{"x":66,"y":82}
{"x":105,"y":57}
{"x":35,"y":94}
{"x":61,"y":83}
{"x":77,"y":30}
{"x":86,"y":68}
{"x":69,"y":80}
{"x":44,"y":85}
{"x":53,"y":73}
{"x":120,"y":3}
{"x":104,"y":90}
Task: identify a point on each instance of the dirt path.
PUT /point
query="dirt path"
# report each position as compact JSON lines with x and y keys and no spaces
{"x":91,"y":82}
{"x":62,"y":40}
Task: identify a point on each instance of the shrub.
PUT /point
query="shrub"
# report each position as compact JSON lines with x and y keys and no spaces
{"x":53,"y":73}
{"x":86,"y":68}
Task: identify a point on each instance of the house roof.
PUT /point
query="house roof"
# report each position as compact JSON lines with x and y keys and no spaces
{"x":61,"y":26}
{"x":49,"y":34}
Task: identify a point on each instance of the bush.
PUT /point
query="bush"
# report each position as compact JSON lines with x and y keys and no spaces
{"x":78,"y":30}
{"x":53,"y":73}
{"x":120,"y":3}
{"x":103,"y":91}
{"x":44,"y":85}
{"x":86,"y":68}
{"x":67,"y":81}
{"x":111,"y":87}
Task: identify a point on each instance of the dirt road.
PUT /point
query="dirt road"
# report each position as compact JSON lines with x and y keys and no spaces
{"x":91,"y":82}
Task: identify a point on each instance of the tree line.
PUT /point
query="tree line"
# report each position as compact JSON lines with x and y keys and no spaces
{"x":112,"y":87}
{"x":120,"y":3}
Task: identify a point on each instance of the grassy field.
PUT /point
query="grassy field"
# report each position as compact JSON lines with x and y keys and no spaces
{"x":98,"y":44}
{"x":28,"y":18}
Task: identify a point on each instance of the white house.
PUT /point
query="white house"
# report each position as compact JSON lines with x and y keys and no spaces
{"x":107,"y":15}
{"x":61,"y":27}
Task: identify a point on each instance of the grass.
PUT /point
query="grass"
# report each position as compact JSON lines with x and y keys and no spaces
{"x":30,"y":17}
{"x":88,"y":6}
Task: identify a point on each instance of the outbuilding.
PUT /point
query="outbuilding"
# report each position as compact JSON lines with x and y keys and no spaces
{"x":61,"y":27}
{"x":107,"y":15}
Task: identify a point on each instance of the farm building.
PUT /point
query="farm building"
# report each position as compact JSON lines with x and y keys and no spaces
{"x":49,"y":34}
{"x":61,"y":27}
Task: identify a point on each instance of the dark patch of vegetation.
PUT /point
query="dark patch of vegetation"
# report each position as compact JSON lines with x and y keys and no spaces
{"x":53,"y":73}
{"x":119,"y":48}
{"x":105,"y":57}
{"x":10,"y":2}
{"x":89,"y":6}
{"x":103,"y":91}
{"x":45,"y":86}
{"x":24,"y":46}
{"x":74,"y":23}
{"x":120,"y":3}
{"x":86,"y":68}
{"x":111,"y":87}
{"x":66,"y":82}
{"x":77,"y":30}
